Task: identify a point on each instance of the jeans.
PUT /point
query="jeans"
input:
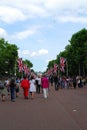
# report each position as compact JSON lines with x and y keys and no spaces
{"x":38,"y":88}
{"x":56,"y":86}
{"x":12,"y":90}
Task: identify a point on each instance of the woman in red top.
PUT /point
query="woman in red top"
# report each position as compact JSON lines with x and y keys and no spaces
{"x":25,"y":84}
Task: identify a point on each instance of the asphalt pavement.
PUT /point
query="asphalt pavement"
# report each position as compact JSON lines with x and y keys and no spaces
{"x":65,"y":109}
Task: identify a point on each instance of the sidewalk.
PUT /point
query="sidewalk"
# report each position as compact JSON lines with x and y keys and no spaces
{"x":65,"y":109}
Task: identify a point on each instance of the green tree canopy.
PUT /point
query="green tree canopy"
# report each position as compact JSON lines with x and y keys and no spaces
{"x":75,"y":54}
{"x":8,"y":56}
{"x":28,"y":63}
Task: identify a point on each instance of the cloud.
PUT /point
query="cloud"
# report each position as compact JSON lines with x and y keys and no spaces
{"x":12,"y":11}
{"x":11,"y":15}
{"x":3,"y":33}
{"x":23,"y":34}
{"x":73,"y":19}
{"x":20,"y":35}
{"x":19,"y":11}
{"x":25,"y":52}
{"x":33,"y":53}
{"x":36,"y":10}
{"x":39,"y":53}
{"x":42,"y":52}
{"x":64,"y":4}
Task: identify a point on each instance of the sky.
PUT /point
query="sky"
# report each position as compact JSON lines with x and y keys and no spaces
{"x":41,"y":29}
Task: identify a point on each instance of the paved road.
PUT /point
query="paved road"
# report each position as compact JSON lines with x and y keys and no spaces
{"x":65,"y":109}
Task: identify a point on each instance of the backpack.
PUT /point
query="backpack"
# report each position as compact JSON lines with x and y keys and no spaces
{"x":2,"y":85}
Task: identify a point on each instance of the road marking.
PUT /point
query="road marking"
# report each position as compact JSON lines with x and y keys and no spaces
{"x":74,"y":110}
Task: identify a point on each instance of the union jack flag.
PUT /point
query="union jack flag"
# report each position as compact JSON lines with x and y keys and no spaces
{"x":20,"y":64}
{"x":26,"y":69}
{"x":55,"y":68}
{"x":62,"y":63}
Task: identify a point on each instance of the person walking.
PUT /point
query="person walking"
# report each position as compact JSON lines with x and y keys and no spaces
{"x":3,"y":90}
{"x":74,"y":81}
{"x":17,"y":86}
{"x":12,"y":88}
{"x":38,"y":84}
{"x":56,"y":82}
{"x":25,"y":84}
{"x":32,"y":87}
{"x":45,"y":86}
{"x":51,"y":79}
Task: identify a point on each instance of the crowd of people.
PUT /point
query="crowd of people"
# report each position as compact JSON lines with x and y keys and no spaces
{"x":30,"y":86}
{"x":67,"y":82}
{"x":37,"y":84}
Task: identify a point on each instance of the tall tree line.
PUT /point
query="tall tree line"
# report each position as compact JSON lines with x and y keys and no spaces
{"x":75,"y":53}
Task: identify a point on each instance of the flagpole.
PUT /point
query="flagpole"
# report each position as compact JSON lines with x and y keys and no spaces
{"x":15,"y":68}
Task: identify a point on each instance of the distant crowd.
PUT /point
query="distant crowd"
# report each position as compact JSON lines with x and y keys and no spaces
{"x":32,"y":85}
{"x":67,"y":82}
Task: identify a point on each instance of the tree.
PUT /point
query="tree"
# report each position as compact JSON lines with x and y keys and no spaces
{"x":28,"y":63}
{"x":79,"y":50}
{"x":8,"y":56}
{"x":51,"y":64}
{"x":75,"y":54}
